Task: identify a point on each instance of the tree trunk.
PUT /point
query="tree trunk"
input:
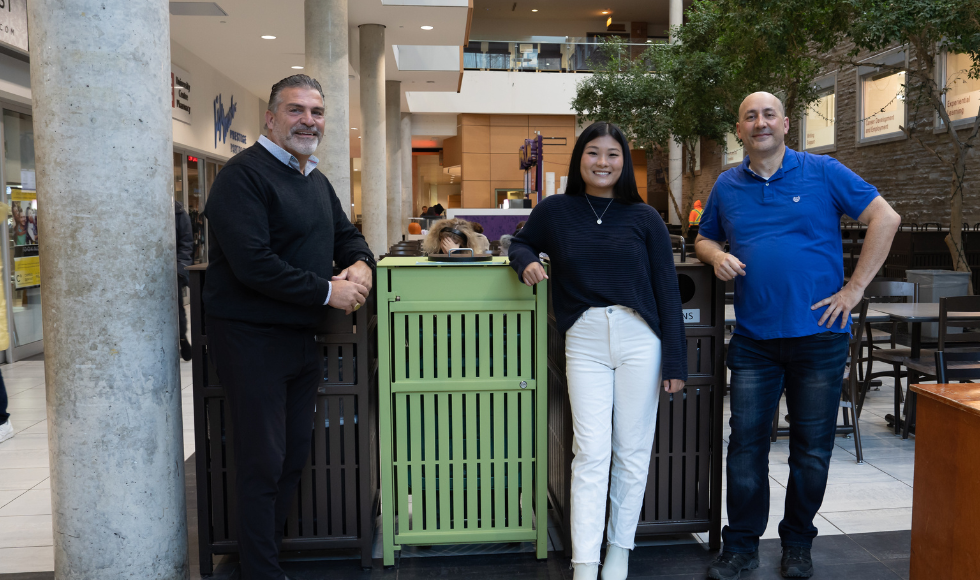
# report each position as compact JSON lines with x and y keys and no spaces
{"x":955,"y":238}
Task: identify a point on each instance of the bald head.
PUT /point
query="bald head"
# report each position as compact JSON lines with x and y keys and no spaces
{"x":760,"y":101}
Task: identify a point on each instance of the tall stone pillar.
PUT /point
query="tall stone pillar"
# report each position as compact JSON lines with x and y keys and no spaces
{"x":327,"y":61}
{"x":393,"y":150}
{"x":99,"y":75}
{"x":675,"y":166}
{"x":374,"y":174}
{"x":408,"y":208}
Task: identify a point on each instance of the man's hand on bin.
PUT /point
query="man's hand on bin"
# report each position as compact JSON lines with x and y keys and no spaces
{"x":347,"y":296}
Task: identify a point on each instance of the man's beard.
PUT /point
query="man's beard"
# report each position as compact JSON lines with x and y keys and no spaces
{"x":301,"y":145}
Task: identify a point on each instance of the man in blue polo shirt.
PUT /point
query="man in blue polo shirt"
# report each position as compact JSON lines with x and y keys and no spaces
{"x":780,"y":211}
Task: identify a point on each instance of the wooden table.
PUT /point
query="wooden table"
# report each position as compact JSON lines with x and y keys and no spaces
{"x":946,"y":493}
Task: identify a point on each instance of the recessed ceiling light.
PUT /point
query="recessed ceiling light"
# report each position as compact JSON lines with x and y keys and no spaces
{"x":297,"y":67}
{"x":426,"y":28}
{"x":353,"y":128}
{"x":358,"y":137}
{"x":534,"y":9}
{"x":268,"y":37}
{"x":604,"y":12}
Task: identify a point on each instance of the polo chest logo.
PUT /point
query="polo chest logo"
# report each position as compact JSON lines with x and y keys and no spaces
{"x":796,"y":199}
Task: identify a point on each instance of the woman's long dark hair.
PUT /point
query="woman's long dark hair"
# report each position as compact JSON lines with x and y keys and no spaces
{"x":625,"y":189}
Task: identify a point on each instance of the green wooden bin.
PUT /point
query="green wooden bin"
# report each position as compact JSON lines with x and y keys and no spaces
{"x":462,"y":404}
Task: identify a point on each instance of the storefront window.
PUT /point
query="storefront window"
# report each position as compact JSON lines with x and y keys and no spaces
{"x":883,"y":104}
{"x":22,"y":228}
{"x":734,"y":153}
{"x":963,"y":96}
{"x":818,"y":125}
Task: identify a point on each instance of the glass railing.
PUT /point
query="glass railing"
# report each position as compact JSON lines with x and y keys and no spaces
{"x":547,"y":53}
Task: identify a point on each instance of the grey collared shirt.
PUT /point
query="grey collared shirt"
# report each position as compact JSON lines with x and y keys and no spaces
{"x":286,"y":157}
{"x":289,"y":159}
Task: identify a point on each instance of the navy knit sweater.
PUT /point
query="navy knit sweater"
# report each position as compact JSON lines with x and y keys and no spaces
{"x":275,"y":235}
{"x":626,"y":260}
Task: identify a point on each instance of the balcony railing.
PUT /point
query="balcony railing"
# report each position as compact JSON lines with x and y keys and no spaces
{"x":545,"y":54}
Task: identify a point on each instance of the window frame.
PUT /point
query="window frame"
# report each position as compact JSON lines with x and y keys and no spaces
{"x":822,"y":84}
{"x":942,"y":72}
{"x":724,"y":153}
{"x":895,"y":56}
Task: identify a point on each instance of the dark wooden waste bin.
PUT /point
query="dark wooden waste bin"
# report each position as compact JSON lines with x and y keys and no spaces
{"x":683,"y":491}
{"x":338,"y":496}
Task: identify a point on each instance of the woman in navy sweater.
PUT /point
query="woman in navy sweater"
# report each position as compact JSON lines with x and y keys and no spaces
{"x":616,"y":299}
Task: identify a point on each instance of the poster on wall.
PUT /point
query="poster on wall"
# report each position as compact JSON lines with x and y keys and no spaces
{"x":180,"y":93}
{"x":23,"y":207}
{"x":27,"y":272}
{"x":13,"y":23}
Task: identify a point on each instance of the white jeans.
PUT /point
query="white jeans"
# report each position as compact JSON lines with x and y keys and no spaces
{"x":613,"y":372}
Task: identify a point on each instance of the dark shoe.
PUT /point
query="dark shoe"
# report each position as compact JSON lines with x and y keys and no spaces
{"x":729,"y":565}
{"x":185,"y":349}
{"x":796,"y":562}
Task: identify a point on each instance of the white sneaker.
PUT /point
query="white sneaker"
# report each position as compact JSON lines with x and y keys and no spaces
{"x":617,"y":563}
{"x":6,"y":431}
{"x":585,"y":571}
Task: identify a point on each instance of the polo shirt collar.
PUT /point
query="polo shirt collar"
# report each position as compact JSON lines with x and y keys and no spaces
{"x":791,"y":161}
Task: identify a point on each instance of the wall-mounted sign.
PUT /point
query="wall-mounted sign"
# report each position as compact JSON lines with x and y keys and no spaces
{"x":180,"y":93}
{"x":222,"y":125}
{"x":13,"y":23}
{"x":27,"y":272}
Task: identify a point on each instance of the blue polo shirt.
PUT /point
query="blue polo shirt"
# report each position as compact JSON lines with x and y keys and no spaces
{"x":786,"y":230}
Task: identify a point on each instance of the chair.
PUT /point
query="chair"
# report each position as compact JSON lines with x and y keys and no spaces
{"x":882,"y":291}
{"x":960,"y":346}
{"x":966,"y":366}
{"x":678,"y":244}
{"x":850,"y":389}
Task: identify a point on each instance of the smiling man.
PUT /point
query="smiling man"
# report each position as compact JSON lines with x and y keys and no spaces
{"x":276,"y":230}
{"x":780,"y":211}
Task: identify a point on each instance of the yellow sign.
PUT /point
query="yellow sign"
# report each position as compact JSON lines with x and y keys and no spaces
{"x":27,"y":272}
{"x":18,"y":194}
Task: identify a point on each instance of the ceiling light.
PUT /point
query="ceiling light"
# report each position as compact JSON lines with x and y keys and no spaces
{"x":297,"y":67}
{"x":268,"y":37}
{"x":534,"y":9}
{"x":358,"y":136}
{"x":426,"y":27}
{"x":604,"y":12}
{"x":353,"y":128}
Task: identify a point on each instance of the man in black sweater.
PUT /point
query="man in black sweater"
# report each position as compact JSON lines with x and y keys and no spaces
{"x":276,"y":227}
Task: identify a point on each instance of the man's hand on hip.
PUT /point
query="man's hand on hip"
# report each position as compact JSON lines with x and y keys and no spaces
{"x":728,"y":266}
{"x":841,"y":304}
{"x":347,"y":296}
{"x":359,"y":272}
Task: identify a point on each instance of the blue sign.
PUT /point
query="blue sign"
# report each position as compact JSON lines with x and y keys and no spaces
{"x":222,"y":119}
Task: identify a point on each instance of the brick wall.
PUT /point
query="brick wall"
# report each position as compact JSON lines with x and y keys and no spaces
{"x":910,"y":178}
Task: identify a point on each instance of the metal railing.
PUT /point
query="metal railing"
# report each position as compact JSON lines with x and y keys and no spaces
{"x":545,"y":54}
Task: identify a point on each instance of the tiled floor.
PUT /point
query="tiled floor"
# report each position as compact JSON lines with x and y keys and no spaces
{"x":873,"y":497}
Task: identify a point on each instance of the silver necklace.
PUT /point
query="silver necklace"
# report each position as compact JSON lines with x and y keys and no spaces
{"x":598,"y":218}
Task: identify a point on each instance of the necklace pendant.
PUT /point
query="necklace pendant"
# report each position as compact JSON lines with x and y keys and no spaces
{"x":598,"y":221}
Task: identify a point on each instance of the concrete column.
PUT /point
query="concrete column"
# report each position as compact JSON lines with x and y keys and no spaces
{"x":393,"y":153}
{"x":408,"y":209}
{"x":675,"y":168}
{"x":374,"y":176}
{"x":327,"y":61}
{"x":100,"y":71}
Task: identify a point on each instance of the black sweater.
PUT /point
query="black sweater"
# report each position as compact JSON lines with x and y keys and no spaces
{"x":275,"y":235}
{"x":626,"y":260}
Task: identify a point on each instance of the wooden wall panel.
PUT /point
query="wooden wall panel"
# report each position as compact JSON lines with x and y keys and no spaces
{"x":507,"y":139}
{"x":451,"y":151}
{"x":508,"y":121}
{"x":471,"y":119}
{"x":477,"y":194}
{"x":552,"y":121}
{"x":475,"y":138}
{"x":476,"y":166}
{"x":505,"y":166}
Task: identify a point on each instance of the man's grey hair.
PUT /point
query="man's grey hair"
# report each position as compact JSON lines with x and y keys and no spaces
{"x":294,"y":81}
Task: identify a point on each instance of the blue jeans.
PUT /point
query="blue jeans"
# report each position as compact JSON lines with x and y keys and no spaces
{"x":811,"y":369}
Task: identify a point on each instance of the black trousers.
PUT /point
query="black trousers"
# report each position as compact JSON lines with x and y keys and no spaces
{"x":270,"y":374}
